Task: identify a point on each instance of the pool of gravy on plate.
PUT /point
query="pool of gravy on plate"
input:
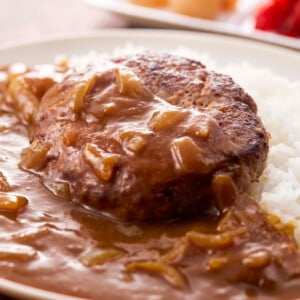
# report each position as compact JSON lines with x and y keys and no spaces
{"x":57,"y":245}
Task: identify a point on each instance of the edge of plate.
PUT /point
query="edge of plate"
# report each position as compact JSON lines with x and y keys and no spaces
{"x":23,"y":291}
{"x":138,"y":33}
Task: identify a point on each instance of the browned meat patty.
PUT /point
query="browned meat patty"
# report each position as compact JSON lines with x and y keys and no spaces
{"x":146,"y":137}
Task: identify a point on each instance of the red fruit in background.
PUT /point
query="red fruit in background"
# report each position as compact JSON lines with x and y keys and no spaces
{"x":282,"y":16}
{"x":291,"y":25}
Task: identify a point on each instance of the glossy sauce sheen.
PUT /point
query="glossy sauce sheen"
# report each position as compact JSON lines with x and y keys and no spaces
{"x":56,"y":245}
{"x":112,"y":137}
{"x":122,"y":150}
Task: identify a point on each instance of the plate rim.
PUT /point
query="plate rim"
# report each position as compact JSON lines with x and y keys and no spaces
{"x":16,"y":289}
{"x":139,"y":32}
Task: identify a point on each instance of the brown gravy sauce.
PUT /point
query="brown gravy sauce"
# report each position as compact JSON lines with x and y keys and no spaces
{"x":56,"y":245}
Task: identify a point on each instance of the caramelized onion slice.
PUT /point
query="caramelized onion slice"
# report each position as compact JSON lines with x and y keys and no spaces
{"x":31,"y":234}
{"x":177,"y":253}
{"x":217,"y":263}
{"x":19,"y":253}
{"x":189,"y":157}
{"x":169,"y":273}
{"x":128,"y":83}
{"x":133,"y":141}
{"x":23,"y":100}
{"x":35,"y":156}
{"x":257,"y":259}
{"x":225,"y":191}
{"x":4,"y":185}
{"x":100,"y":256}
{"x":12,"y":203}
{"x":162,"y":120}
{"x":59,"y":188}
{"x":213,"y":241}
{"x":78,"y":94}
{"x":101,"y":162}
{"x":70,"y":136}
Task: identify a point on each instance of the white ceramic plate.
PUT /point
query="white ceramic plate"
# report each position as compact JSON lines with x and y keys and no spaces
{"x":222,"y":49}
{"x":240,"y":23}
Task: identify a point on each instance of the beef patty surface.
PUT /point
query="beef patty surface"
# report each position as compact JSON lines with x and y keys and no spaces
{"x":147,"y":136}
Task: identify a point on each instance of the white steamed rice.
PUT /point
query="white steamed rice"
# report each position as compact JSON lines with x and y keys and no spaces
{"x":279,"y":108}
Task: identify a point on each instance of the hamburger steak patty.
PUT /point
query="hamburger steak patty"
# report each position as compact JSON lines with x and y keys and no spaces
{"x":147,"y":136}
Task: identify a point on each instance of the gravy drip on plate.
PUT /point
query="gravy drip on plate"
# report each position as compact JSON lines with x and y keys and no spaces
{"x":54,"y":244}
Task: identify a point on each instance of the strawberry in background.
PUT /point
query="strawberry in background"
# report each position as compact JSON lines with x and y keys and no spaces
{"x":280,"y":16}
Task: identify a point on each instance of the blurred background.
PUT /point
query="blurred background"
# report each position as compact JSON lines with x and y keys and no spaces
{"x":277,"y":21}
{"x":26,"y":19}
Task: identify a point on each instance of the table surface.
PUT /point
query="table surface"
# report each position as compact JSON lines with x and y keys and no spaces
{"x":27,"y":19}
{"x":30,"y":19}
